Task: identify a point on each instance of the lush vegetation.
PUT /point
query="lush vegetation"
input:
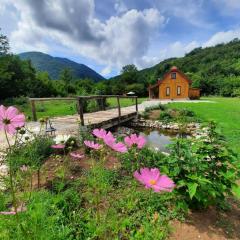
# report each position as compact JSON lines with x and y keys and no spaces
{"x":224,"y":111}
{"x":54,"y":65}
{"x":95,"y":190}
{"x":215,"y":70}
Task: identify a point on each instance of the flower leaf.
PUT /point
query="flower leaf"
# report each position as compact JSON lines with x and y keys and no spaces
{"x":192,"y":188}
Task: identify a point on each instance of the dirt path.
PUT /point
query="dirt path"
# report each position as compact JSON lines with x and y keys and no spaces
{"x":210,"y":224}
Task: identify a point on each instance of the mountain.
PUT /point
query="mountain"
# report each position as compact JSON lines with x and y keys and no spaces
{"x":54,"y":66}
{"x":216,"y":70}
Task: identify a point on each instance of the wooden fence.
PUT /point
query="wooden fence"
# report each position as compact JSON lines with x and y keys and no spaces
{"x":80,"y":103}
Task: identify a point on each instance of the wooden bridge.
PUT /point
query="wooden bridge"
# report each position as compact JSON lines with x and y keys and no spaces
{"x":104,"y":117}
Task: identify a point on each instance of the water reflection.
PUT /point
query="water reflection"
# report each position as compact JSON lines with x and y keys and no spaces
{"x":158,"y":139}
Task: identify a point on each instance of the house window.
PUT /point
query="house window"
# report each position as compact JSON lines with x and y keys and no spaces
{"x":173,"y":75}
{"x":178,"y":90}
{"x":167,"y":91}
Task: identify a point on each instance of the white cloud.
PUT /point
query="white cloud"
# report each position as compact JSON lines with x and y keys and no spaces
{"x":72,"y":24}
{"x":191,"y":11}
{"x":120,"y":6}
{"x":222,"y":37}
{"x":178,"y":49}
{"x":106,"y":71}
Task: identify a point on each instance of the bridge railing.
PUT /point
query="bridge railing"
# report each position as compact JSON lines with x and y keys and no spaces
{"x":80,"y":103}
{"x":102,"y":98}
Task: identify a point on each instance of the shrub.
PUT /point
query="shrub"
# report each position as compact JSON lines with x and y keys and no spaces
{"x":32,"y":154}
{"x":186,"y":113}
{"x":156,"y":107}
{"x":205,"y":170}
{"x":165,"y":116}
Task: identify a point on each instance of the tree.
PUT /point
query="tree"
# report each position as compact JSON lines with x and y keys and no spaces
{"x":130,"y":68}
{"x":4,"y":45}
{"x":66,"y":75}
{"x":129,"y":74}
{"x":138,"y":88}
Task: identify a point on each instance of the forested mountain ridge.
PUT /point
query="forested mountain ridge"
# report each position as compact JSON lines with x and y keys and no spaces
{"x":54,"y":65}
{"x":216,"y":70}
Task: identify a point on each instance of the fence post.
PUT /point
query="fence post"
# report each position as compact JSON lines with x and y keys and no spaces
{"x":137,"y":105}
{"x":119,"y":107}
{"x":80,"y":110}
{"x":34,"y":114}
{"x":103,"y":104}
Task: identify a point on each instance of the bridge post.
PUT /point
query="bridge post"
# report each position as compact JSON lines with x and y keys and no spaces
{"x":137,"y":105}
{"x":34,"y":114}
{"x":119,"y":107}
{"x":80,"y":110}
{"x":103,"y":103}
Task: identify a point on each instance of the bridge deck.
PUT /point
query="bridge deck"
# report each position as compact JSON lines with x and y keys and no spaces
{"x":104,"y":119}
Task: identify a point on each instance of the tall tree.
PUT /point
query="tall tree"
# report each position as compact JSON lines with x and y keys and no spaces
{"x":4,"y":44}
{"x":129,"y":74}
{"x":66,"y":75}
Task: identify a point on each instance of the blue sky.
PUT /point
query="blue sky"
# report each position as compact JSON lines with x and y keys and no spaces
{"x":108,"y":34}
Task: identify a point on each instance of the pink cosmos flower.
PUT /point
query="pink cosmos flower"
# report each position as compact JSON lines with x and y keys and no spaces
{"x":119,"y":147}
{"x":100,"y":133}
{"x":133,"y":139}
{"x":152,"y":178}
{"x":76,"y":155}
{"x":92,"y":144}
{"x":58,"y":146}
{"x":109,"y":139}
{"x":10,"y":119}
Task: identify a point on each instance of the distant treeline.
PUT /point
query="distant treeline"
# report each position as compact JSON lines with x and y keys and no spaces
{"x":216,"y":70}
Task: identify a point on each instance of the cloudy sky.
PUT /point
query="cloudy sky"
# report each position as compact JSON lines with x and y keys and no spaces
{"x":108,"y":34}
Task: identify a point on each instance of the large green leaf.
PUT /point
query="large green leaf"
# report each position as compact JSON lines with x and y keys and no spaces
{"x":236,"y":190}
{"x":192,"y":188}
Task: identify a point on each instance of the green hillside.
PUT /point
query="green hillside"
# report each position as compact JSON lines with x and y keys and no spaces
{"x":54,"y":65}
{"x":216,"y":70}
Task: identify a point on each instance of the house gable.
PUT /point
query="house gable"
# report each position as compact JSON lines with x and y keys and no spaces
{"x":173,"y":85}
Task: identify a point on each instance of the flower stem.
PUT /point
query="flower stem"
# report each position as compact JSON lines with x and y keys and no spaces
{"x":11,"y":178}
{"x":7,"y":139}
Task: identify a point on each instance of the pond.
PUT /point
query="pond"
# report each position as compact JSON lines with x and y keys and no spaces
{"x":158,"y":139}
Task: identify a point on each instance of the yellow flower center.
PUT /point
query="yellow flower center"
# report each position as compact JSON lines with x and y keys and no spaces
{"x":152,"y":182}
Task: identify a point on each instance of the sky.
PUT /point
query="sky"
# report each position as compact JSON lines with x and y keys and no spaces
{"x":108,"y":34}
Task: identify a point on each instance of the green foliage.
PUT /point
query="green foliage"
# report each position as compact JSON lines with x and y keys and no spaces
{"x":135,"y":159}
{"x":66,"y":75}
{"x":48,"y":216}
{"x":156,"y":107}
{"x":225,"y":111}
{"x":205,"y":170}
{"x":32,"y":154}
{"x":165,"y":116}
{"x":209,"y":68}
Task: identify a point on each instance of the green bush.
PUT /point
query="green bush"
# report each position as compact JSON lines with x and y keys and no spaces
{"x":205,"y":170}
{"x":156,"y":107}
{"x":186,"y":113}
{"x":165,"y":116}
{"x":32,"y":154}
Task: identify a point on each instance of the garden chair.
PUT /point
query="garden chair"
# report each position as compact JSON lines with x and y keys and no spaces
{"x":49,"y":128}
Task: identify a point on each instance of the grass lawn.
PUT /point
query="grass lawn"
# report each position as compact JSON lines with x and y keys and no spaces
{"x":225,"y":111}
{"x":62,"y":108}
